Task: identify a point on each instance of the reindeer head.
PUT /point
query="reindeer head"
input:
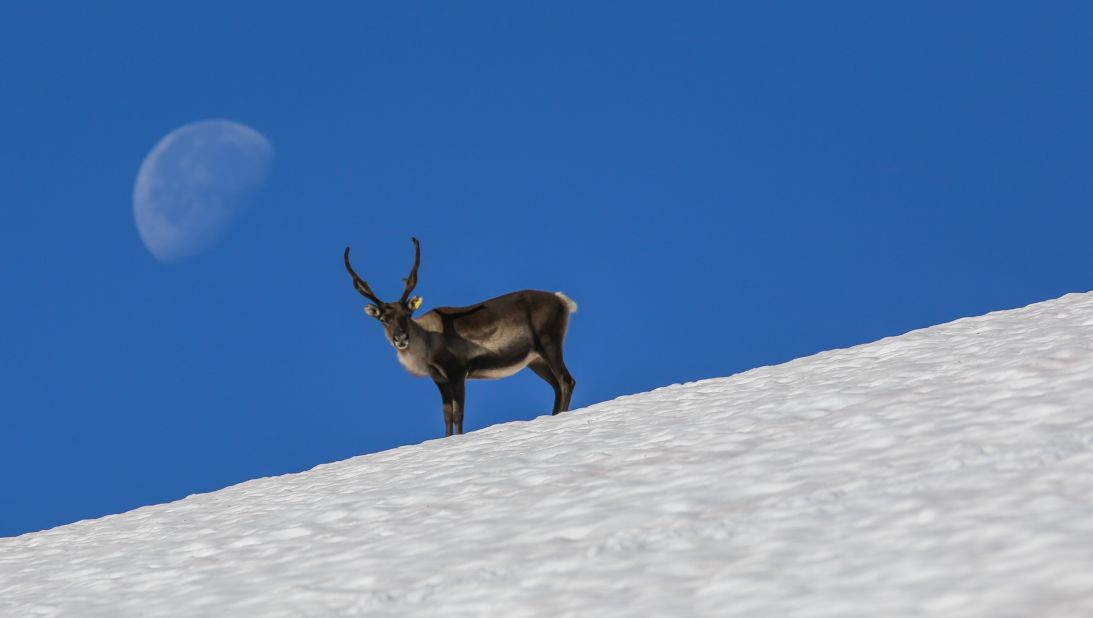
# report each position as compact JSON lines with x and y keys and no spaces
{"x":395,"y":317}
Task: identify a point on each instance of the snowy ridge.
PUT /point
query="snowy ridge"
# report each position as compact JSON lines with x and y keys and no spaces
{"x":945,"y":472}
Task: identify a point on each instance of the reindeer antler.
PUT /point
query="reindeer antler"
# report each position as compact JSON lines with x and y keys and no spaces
{"x":411,"y":280}
{"x":359,"y":283}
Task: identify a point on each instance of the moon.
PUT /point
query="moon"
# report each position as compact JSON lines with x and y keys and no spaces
{"x":195,"y":182}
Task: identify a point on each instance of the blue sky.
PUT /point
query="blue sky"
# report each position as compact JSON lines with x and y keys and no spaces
{"x":719,"y":187}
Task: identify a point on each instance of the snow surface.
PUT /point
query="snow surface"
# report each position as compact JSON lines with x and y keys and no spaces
{"x":945,"y":472}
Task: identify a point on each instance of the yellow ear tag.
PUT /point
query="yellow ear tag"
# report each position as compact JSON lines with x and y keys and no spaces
{"x":415,"y":302}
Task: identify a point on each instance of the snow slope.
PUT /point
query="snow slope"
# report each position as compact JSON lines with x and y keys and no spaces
{"x":945,"y":472}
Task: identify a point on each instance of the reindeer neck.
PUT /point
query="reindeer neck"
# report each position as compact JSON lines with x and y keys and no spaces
{"x":415,"y":358}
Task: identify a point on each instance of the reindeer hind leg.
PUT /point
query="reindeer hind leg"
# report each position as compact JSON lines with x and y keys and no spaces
{"x":543,"y":370}
{"x":563,"y":382}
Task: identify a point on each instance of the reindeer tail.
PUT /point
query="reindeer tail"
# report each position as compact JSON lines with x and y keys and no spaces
{"x":570,"y":304}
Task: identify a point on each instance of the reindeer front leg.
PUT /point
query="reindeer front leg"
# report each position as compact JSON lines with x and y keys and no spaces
{"x":446,"y":397}
{"x":458,"y":391}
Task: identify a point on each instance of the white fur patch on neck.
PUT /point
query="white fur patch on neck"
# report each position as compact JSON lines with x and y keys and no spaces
{"x":414,"y":363}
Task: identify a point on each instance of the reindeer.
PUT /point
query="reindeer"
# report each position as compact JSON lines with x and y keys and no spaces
{"x":488,"y":340}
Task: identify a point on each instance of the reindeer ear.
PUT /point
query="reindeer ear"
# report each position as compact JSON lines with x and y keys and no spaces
{"x":372,"y":310}
{"x":414,"y":303}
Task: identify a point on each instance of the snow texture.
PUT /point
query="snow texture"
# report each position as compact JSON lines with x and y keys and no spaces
{"x":945,"y":472}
